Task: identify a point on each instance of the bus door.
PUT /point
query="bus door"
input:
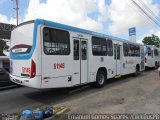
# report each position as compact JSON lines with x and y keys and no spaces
{"x":80,"y":60}
{"x":142,"y":58}
{"x":117,"y":58}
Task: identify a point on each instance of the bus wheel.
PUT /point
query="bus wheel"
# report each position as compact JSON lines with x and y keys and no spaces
{"x":100,"y":79}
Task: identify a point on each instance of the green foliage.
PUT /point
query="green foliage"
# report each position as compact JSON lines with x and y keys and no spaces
{"x":152,"y":40}
{"x":2,"y":45}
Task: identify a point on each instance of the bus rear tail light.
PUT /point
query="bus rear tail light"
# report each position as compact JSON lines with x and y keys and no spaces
{"x":145,"y":60}
{"x":33,"y":69}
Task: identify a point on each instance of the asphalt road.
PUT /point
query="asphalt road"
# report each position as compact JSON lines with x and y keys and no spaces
{"x":16,"y":99}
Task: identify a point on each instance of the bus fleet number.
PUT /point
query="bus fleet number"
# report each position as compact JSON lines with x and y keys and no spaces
{"x":59,"y":66}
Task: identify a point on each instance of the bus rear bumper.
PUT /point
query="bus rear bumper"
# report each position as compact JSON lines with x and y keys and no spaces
{"x":31,"y":82}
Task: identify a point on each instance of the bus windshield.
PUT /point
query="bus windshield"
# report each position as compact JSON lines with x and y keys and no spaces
{"x":22,"y":39}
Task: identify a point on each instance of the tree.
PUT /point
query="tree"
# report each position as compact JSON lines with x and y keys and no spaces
{"x":151,"y":40}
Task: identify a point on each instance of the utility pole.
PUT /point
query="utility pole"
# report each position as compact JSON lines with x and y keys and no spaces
{"x":17,"y":9}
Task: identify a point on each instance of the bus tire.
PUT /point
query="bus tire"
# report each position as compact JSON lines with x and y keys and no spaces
{"x":100,"y":79}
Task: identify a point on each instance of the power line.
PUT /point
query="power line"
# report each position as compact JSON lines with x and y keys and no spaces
{"x":139,"y":12}
{"x":150,"y":11}
{"x":145,"y":12}
{"x":139,"y":7}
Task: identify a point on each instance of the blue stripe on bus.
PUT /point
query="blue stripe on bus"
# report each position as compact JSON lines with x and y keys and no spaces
{"x":61,"y":26}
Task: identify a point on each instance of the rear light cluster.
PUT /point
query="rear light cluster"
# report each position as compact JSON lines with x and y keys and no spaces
{"x":33,"y":69}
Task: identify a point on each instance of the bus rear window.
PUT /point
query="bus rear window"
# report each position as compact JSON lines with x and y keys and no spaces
{"x":22,"y":39}
{"x":21,"y":49}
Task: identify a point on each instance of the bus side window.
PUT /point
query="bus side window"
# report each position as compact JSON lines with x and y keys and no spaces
{"x":129,"y":51}
{"x":118,"y":53}
{"x":76,"y":50}
{"x":99,"y":47}
{"x":84,"y":50}
{"x":132,"y":50}
{"x":46,"y":38}
{"x":155,"y":52}
{"x":138,"y":51}
{"x":56,"y":42}
{"x":152,"y":53}
{"x":125,"y":49}
{"x":109,"y":48}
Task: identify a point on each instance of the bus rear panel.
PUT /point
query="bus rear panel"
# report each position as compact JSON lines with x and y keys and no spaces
{"x":24,"y":65}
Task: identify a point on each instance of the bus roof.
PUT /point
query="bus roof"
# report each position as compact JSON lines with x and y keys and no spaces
{"x":76,"y":29}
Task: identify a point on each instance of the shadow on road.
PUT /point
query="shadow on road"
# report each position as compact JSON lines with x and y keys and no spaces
{"x":59,"y":95}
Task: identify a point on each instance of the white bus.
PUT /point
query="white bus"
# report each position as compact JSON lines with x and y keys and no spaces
{"x":46,"y":54}
{"x":151,"y":56}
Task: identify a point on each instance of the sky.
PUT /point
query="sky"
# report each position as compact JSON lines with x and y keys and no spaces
{"x":111,"y":17}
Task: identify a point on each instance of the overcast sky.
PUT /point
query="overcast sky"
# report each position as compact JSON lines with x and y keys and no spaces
{"x":111,"y":17}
